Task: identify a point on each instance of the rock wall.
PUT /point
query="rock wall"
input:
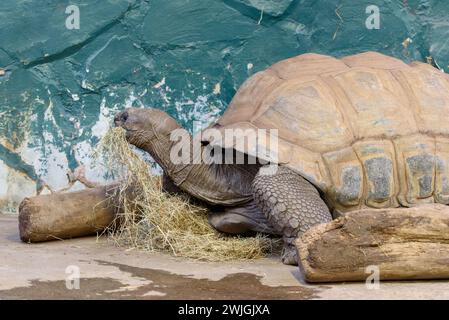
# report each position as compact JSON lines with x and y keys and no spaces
{"x":60,"y":86}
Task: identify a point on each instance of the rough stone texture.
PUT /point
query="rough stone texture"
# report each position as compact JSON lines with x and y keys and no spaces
{"x":61,"y":87}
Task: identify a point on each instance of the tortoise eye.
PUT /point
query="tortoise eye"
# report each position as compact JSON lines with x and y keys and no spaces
{"x":121,"y":118}
{"x":124,"y":116}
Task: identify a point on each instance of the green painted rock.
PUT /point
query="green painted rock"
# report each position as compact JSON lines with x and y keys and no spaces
{"x":61,"y":87}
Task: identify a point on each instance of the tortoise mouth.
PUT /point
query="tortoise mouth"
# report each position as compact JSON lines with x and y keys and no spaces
{"x":120,"y":120}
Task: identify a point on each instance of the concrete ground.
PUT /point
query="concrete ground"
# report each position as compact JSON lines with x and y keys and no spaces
{"x":42,"y":271}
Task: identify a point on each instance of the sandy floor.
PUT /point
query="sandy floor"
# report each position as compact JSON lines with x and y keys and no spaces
{"x":42,"y":271}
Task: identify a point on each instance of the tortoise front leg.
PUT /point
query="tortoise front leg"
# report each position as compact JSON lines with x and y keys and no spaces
{"x":291,"y":204}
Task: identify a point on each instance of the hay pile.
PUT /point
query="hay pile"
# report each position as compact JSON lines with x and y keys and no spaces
{"x":156,"y":221}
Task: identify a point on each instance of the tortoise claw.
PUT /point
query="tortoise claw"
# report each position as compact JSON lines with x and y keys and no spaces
{"x":289,"y":255}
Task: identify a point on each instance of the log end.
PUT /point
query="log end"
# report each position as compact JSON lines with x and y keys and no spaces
{"x":303,"y":244}
{"x":25,"y":221}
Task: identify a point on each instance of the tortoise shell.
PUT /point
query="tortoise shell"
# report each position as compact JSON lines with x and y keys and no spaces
{"x":368,"y":130}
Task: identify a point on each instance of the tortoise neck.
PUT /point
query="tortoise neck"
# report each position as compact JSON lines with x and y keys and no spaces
{"x":165,"y":151}
{"x":213,"y":183}
{"x":159,"y":148}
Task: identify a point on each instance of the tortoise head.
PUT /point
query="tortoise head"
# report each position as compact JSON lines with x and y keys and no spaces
{"x":143,"y":126}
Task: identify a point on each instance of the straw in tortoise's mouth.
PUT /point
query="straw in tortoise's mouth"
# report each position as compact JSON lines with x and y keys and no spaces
{"x":120,"y":121}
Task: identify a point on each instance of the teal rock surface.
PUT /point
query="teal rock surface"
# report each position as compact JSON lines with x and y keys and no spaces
{"x":60,"y":87}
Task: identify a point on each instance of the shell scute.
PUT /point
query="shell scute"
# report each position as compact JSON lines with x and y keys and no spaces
{"x":379,"y":165}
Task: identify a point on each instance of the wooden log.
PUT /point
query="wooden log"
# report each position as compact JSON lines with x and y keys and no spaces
{"x":404,"y":243}
{"x":67,"y":215}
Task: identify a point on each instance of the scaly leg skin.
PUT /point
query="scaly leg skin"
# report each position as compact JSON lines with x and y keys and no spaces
{"x":291,"y":204}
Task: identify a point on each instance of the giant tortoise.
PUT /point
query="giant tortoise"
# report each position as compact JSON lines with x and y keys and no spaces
{"x":363,"y":131}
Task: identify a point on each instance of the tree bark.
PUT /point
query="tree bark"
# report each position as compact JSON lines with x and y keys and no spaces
{"x":403,"y":243}
{"x":67,"y":215}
